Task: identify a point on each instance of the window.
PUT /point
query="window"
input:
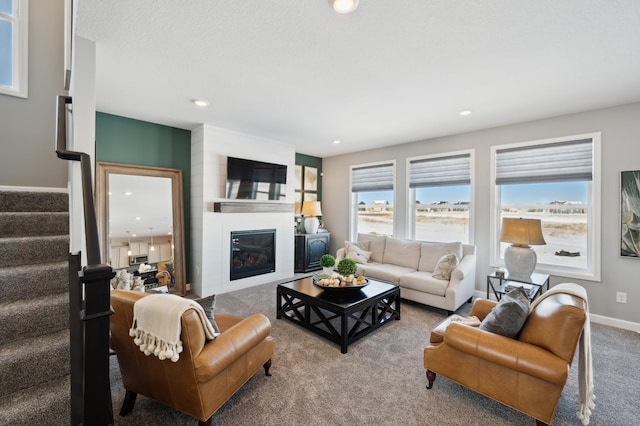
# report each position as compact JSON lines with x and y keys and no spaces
{"x":558,"y":182}
{"x":372,"y":199}
{"x":13,"y":47}
{"x":440,"y":197}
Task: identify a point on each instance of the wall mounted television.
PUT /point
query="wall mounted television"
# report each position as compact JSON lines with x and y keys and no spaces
{"x":255,"y":180}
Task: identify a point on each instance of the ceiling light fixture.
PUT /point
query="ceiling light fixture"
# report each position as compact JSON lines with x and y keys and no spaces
{"x":152,"y":248}
{"x":344,"y":6}
{"x":465,"y":112}
{"x":129,"y":251}
{"x":200,"y":102}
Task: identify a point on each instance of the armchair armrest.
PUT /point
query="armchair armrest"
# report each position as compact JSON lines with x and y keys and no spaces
{"x":509,"y":353}
{"x":220,"y":353}
{"x":482,"y":307}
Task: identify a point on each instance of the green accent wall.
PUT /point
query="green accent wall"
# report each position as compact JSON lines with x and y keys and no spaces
{"x":128,"y":141}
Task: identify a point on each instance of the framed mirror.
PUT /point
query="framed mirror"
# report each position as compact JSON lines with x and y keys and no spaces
{"x":141,"y":220}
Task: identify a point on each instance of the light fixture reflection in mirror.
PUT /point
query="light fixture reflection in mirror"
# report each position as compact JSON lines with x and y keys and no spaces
{"x":140,"y":212}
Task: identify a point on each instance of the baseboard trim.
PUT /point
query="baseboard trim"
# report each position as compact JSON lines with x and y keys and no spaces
{"x":596,"y":319}
{"x":32,"y":189}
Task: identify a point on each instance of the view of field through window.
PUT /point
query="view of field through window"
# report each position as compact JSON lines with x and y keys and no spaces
{"x":442,"y":214}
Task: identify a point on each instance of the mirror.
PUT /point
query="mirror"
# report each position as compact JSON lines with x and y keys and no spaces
{"x":141,"y":220}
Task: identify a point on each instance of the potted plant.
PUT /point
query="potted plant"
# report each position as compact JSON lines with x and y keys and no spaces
{"x":327,"y":262}
{"x":347,"y":267}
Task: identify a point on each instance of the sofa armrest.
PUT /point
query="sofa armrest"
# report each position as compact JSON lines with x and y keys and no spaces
{"x":508,"y":353}
{"x":220,"y":353}
{"x":340,"y":255}
{"x":462,"y":283}
{"x":466,"y":268}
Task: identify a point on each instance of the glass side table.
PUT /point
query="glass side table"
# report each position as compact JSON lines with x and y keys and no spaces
{"x":500,"y":285}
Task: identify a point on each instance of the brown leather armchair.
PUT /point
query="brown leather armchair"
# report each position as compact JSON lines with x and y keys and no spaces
{"x":207,"y":373}
{"x":527,"y":373}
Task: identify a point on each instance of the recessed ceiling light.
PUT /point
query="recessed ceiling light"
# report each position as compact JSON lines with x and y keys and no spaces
{"x":200,"y":102}
{"x":128,"y":193}
{"x":138,"y":218}
{"x":336,"y":142}
{"x":465,"y":112}
{"x":344,"y":6}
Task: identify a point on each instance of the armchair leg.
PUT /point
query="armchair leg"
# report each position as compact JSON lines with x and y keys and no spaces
{"x":267,"y":366}
{"x":205,"y":423}
{"x":541,"y":423}
{"x":128,"y":403}
{"x":431,"y":377}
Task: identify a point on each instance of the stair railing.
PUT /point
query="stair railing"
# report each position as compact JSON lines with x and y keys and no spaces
{"x":89,"y":305}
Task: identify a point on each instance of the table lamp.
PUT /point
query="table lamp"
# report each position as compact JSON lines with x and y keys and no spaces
{"x":311,"y":210}
{"x":519,"y":258}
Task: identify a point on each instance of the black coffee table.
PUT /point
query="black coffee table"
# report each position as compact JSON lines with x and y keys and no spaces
{"x":341,"y":316}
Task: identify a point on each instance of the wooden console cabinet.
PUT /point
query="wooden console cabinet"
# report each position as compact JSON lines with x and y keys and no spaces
{"x":309,"y":248}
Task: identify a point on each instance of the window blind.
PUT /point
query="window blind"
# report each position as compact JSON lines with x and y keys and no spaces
{"x":372,"y":178}
{"x":441,"y":171}
{"x":554,"y":162}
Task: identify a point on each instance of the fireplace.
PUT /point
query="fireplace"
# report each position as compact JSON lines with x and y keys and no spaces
{"x":252,"y":253}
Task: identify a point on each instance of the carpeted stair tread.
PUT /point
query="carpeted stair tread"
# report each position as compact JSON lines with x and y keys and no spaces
{"x":18,"y":251}
{"x":48,"y":404}
{"x":33,"y":317}
{"x":29,"y":224}
{"x":32,"y":281}
{"x":31,"y":362}
{"x":32,"y":201}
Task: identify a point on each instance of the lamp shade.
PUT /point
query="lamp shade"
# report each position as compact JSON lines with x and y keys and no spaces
{"x":311,"y":208}
{"x":522,"y":232}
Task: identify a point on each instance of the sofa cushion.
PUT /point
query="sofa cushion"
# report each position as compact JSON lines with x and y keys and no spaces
{"x":423,"y":282}
{"x":376,"y":245}
{"x":356,"y":252}
{"x":402,"y":253}
{"x":385,"y":271}
{"x":364,"y":245}
{"x":431,"y":252}
{"x":446,"y":264}
{"x":509,"y":315}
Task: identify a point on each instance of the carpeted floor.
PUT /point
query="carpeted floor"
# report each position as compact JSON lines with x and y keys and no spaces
{"x":381,"y":380}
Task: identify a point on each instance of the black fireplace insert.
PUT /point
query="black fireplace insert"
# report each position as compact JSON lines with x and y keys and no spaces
{"x":252,"y":253}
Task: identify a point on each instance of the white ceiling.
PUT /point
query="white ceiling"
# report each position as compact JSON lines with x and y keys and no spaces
{"x":394,"y":71}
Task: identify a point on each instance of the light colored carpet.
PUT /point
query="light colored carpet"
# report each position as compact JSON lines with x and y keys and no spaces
{"x":381,"y":380}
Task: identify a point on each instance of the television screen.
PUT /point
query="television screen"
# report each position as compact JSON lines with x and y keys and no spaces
{"x":255,"y":180}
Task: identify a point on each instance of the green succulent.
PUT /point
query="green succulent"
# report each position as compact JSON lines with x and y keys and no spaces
{"x":327,"y":261}
{"x":347,"y":267}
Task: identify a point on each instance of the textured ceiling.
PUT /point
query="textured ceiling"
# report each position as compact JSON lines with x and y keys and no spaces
{"x":394,"y":71}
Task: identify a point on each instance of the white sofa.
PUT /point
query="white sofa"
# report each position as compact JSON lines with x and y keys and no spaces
{"x":410,"y":265}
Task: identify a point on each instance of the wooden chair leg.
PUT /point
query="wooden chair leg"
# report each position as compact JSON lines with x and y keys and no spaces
{"x":431,"y":377}
{"x":205,"y":423}
{"x":267,"y":366}
{"x":541,"y":423}
{"x":128,"y":403}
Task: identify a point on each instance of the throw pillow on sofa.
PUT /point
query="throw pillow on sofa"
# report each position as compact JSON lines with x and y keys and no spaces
{"x":431,"y":252}
{"x":357,"y":251}
{"x":508,"y":317}
{"x":446,"y":264}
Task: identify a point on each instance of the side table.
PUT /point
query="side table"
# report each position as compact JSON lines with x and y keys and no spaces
{"x":500,"y":285}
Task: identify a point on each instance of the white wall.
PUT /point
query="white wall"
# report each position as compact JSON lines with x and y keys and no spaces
{"x":620,"y":127}
{"x":210,"y":147}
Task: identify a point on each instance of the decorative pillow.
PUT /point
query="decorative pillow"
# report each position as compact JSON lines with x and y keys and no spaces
{"x":446,"y":264}
{"x":209,"y":304}
{"x":356,"y":252}
{"x":364,"y":245}
{"x":509,"y":315}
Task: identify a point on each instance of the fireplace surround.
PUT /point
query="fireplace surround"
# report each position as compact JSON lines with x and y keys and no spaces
{"x":253,"y":252}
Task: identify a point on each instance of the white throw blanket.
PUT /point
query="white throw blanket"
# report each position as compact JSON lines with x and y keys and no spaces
{"x":585,"y":369}
{"x":156,"y":324}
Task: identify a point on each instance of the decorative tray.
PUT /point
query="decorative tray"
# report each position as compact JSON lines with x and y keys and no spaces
{"x":338,"y":282}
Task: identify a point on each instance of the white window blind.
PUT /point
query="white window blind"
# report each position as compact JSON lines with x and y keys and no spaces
{"x":554,"y":162}
{"x":372,"y":178}
{"x":441,"y":171}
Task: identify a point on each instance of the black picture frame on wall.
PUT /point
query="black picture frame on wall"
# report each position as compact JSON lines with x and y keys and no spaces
{"x":630,"y":213}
